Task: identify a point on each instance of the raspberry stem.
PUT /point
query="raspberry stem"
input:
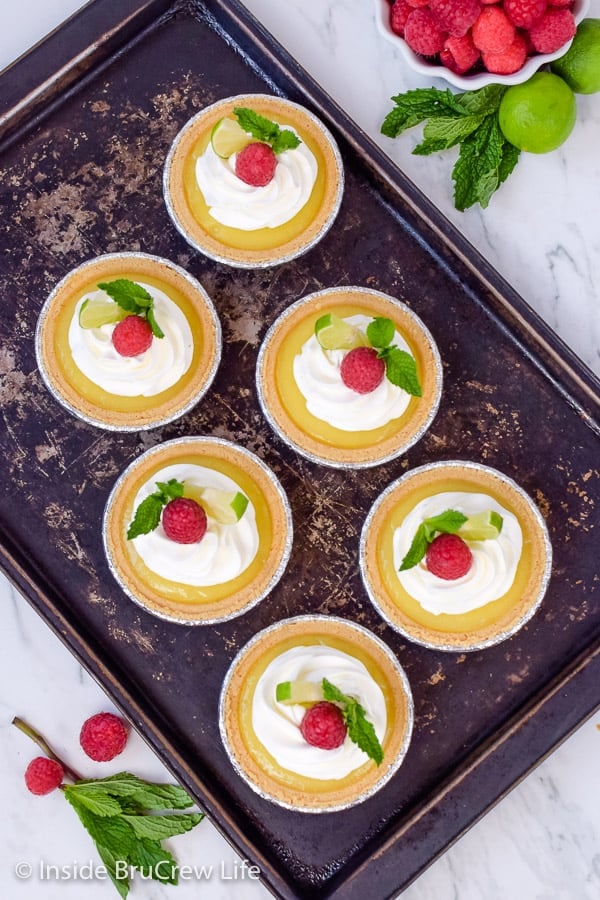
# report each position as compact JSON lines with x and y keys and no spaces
{"x":37,"y":738}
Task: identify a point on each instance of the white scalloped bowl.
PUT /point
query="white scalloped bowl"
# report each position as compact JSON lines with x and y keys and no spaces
{"x":479,"y":79}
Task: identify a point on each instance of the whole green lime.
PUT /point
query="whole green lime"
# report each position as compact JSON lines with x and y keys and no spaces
{"x":580,"y":66}
{"x":538,"y":115}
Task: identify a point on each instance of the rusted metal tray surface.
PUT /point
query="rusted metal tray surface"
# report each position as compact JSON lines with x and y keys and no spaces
{"x":81,"y":165}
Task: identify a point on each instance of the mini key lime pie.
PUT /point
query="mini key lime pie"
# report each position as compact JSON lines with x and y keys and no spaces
{"x":455,"y":556}
{"x":197,"y":530}
{"x":349,"y":377}
{"x":316,"y":713}
{"x":128,"y":341}
{"x":253,"y":180}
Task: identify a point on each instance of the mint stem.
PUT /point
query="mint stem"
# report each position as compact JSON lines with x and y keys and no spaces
{"x":37,"y":738}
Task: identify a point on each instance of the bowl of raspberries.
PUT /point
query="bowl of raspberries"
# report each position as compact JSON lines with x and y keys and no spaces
{"x":472,"y":43}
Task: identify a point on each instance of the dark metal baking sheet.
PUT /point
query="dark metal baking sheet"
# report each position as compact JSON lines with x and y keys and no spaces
{"x":87,"y":120}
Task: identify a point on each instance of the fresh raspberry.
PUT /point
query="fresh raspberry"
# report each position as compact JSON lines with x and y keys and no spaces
{"x":448,"y":557}
{"x":489,"y":2}
{"x":255,"y":164}
{"x":43,"y":775}
{"x":422,"y":33}
{"x":323,"y":726}
{"x":523,"y":13}
{"x":132,"y":336}
{"x":416,"y":3}
{"x":399,"y":13}
{"x":561,"y":3}
{"x":362,"y":370}
{"x":459,"y":54}
{"x":509,"y":60}
{"x":455,"y":16}
{"x":493,"y":32}
{"x":184,"y":521}
{"x":103,"y":736}
{"x":555,"y":28}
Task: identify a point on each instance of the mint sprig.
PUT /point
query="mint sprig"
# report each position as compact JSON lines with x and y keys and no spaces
{"x":360,"y":730}
{"x":400,"y":366}
{"x":264,"y":130}
{"x":469,"y":120}
{"x":134,"y":299}
{"x":447,"y":522}
{"x":127,"y":818}
{"x":147,"y":515}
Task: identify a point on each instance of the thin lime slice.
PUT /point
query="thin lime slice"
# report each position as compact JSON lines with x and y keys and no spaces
{"x":225,"y":507}
{"x":95,"y":312}
{"x":298,"y":692}
{"x":228,"y":137}
{"x":333,"y":333}
{"x":482,"y":526}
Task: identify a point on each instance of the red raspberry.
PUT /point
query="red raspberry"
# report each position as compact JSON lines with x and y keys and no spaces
{"x":323,"y":726}
{"x":43,"y":775}
{"x":103,"y":736}
{"x":362,"y":370}
{"x":455,"y":16}
{"x":422,"y":33}
{"x":399,"y":13}
{"x":493,"y":32}
{"x":555,"y":28}
{"x":417,"y":3}
{"x":132,"y":336}
{"x":509,"y":60}
{"x":523,"y":13}
{"x":459,"y":54}
{"x":448,"y":557}
{"x":568,"y":3}
{"x":255,"y":164}
{"x":184,"y":521}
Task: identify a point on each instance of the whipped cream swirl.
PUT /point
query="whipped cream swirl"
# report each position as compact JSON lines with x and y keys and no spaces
{"x":317,"y":374}
{"x":236,"y":204}
{"x":494,"y":562}
{"x":224,"y":552}
{"x":145,"y":375}
{"x":277,"y":725}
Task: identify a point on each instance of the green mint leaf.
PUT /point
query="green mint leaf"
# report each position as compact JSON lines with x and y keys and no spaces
{"x":266,"y":131}
{"x":416,"y":551}
{"x":416,"y":106}
{"x":159,"y":827}
{"x":360,"y":730}
{"x":146,"y":518}
{"x":156,"y":329}
{"x":285,"y":140}
{"x":484,"y":101}
{"x":401,"y":370}
{"x":145,"y":794}
{"x":170,"y":490}
{"x":510,"y":157}
{"x":154,"y":861}
{"x":447,"y":522}
{"x":445,"y":132}
{"x":147,"y":515}
{"x":98,"y":802}
{"x":476,"y":173}
{"x":134,"y":299}
{"x":380,"y":332}
{"x":129,"y":295}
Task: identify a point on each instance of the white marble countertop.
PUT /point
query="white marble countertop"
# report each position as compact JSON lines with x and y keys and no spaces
{"x":541,"y":232}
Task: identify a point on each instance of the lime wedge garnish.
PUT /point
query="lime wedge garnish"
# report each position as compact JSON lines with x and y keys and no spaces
{"x":225,"y":507}
{"x":333,"y":333}
{"x":228,"y":137}
{"x":482,"y":526}
{"x":298,"y":692}
{"x":95,"y":312}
